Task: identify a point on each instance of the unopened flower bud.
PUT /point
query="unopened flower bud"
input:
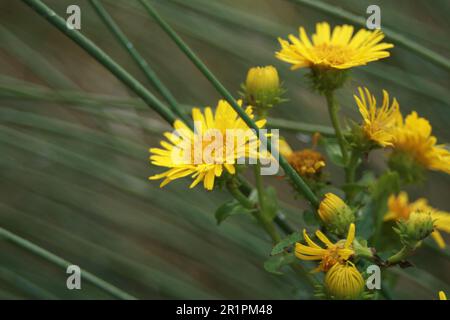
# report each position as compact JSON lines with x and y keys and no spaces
{"x":344,"y":282}
{"x":262,"y":88}
{"x":419,"y":225}
{"x":336,"y":214}
{"x":262,"y":78}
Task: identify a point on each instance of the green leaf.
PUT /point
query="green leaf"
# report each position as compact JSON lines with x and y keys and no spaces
{"x":286,"y":242}
{"x":228,"y":209}
{"x":275,"y":263}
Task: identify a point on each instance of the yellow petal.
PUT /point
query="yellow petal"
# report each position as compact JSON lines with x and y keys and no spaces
{"x":350,"y":236}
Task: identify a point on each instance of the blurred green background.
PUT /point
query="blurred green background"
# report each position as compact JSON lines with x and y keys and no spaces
{"x":74,"y":146}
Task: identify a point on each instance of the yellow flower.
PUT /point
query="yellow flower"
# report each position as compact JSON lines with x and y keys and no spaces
{"x":205,"y":152}
{"x":336,"y":214}
{"x":306,"y":162}
{"x":344,"y":281}
{"x":338,"y":252}
{"x":261,"y":79}
{"x":379,"y":123}
{"x":333,"y":50}
{"x":413,"y":138}
{"x":399,"y":208}
{"x":442,"y":295}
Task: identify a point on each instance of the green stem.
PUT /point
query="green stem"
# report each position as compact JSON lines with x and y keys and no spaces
{"x":280,"y":220}
{"x":103,"y":58}
{"x":290,"y":172}
{"x":233,"y":188}
{"x":137,"y":57}
{"x":362,"y":251}
{"x":352,"y":166}
{"x":262,"y":198}
{"x":399,"y":256}
{"x":350,"y":172}
{"x":25,"y":244}
{"x":259,"y":185}
{"x":333,"y":111}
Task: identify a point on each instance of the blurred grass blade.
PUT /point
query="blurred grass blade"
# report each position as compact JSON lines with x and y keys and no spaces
{"x":302,"y":127}
{"x":40,"y":66}
{"x":137,"y":57}
{"x":103,"y":58}
{"x":27,"y":245}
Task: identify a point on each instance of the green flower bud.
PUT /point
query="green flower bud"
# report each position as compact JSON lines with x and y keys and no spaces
{"x":419,"y":225}
{"x":336,"y":214}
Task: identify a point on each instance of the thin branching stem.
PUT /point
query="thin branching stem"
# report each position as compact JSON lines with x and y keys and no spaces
{"x":333,"y":111}
{"x":257,"y":212}
{"x":263,"y":205}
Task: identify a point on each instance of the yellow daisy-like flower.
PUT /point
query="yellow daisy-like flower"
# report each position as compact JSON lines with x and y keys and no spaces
{"x":205,"y":152}
{"x":442,"y":295}
{"x":413,"y":137}
{"x":333,"y":50}
{"x":379,"y":123}
{"x":338,"y":252}
{"x":344,"y":282}
{"x":306,"y":162}
{"x":399,"y":208}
